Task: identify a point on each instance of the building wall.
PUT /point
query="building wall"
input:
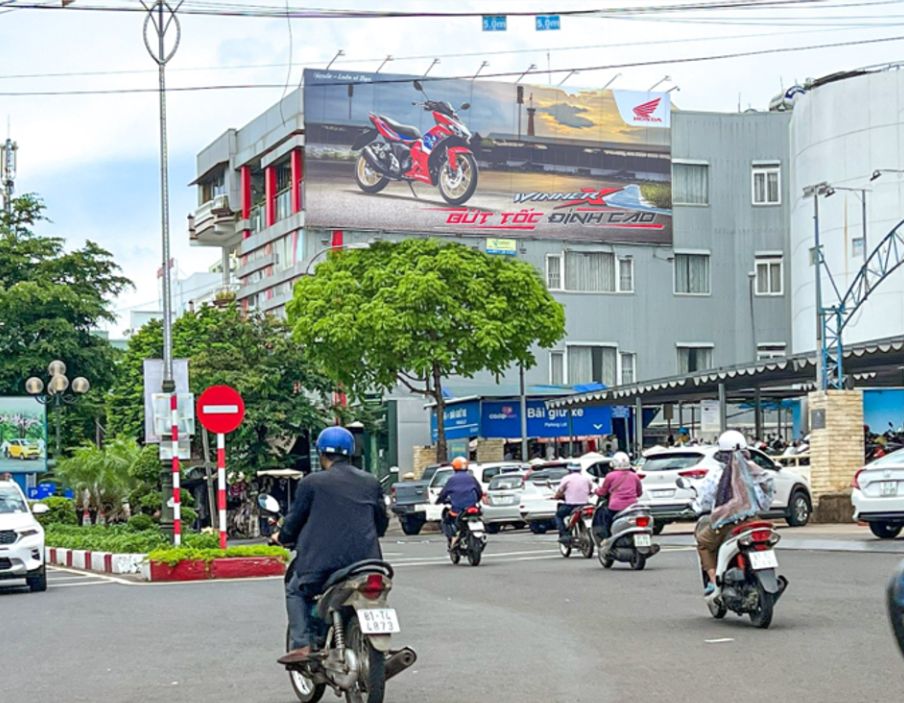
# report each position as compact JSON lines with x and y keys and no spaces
{"x":840,"y":133}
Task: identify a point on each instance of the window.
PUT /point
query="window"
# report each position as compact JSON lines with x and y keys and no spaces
{"x":591,"y":364}
{"x":763,"y":461}
{"x":627,"y":368}
{"x":212,"y":187}
{"x":767,"y":185}
{"x":692,"y":274}
{"x":589,"y":271}
{"x":554,"y":271}
{"x":557,"y":368}
{"x":690,"y":184}
{"x":284,"y":252}
{"x":770,"y":350}
{"x":857,"y":247}
{"x":694,"y":358}
{"x":626,"y":275}
{"x":769,"y":275}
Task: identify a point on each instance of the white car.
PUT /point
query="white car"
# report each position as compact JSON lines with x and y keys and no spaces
{"x":878,"y":495}
{"x":501,"y":501}
{"x":21,"y":538}
{"x":484,"y":473}
{"x":668,"y":503}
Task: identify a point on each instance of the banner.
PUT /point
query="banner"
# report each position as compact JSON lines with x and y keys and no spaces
{"x":23,"y":435}
{"x":502,"y":420}
{"x":465,"y":157}
{"x":461,"y":420}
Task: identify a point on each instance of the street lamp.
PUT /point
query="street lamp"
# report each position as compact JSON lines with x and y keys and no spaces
{"x":532,"y":67}
{"x":56,"y":393}
{"x":658,"y":83}
{"x":861,"y":194}
{"x":879,"y":171}
{"x":325,"y":250}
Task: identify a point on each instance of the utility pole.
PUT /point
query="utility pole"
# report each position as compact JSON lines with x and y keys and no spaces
{"x":8,"y":173}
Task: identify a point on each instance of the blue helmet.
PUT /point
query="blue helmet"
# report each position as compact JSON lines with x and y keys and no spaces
{"x":336,"y":440}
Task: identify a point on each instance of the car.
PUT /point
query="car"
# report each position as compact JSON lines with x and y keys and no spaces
{"x":407,"y":500}
{"x":21,"y":538}
{"x":22,"y":449}
{"x":669,"y":503}
{"x":501,"y":501}
{"x":878,"y":495}
{"x":484,"y":473}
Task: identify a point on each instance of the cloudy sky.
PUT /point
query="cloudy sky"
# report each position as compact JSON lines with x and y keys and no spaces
{"x":93,"y":158}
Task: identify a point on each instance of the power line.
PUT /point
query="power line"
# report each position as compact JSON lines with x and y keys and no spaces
{"x":501,"y":74}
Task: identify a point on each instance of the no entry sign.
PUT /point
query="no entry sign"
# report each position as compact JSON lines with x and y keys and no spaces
{"x":221,"y":409}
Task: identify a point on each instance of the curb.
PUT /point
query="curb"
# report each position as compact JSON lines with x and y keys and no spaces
{"x":138,"y":565}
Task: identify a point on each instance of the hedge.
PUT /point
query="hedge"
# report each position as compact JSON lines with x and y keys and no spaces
{"x":174,"y":555}
{"x":120,"y":539}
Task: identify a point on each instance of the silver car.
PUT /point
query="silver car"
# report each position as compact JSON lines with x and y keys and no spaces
{"x":501,"y":501}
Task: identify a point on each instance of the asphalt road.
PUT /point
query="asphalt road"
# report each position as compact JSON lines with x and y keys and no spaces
{"x":525,"y":626}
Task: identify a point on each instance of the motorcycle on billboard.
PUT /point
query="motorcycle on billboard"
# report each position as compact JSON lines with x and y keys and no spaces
{"x":442,"y":157}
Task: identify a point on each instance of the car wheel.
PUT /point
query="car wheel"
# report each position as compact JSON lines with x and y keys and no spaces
{"x":799,"y":509}
{"x":538,"y":528}
{"x":492,"y":528}
{"x":658,"y":527}
{"x":885,"y":530}
{"x":411,"y":526}
{"x":37,"y":580}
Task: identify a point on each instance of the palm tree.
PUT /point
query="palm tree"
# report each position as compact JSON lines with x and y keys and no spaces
{"x":101,"y":478}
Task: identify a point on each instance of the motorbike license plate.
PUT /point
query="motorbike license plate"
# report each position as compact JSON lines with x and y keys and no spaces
{"x":643,"y":541}
{"x":378,"y":621}
{"x":476,"y":526}
{"x":889,"y":488}
{"x":763,"y":560}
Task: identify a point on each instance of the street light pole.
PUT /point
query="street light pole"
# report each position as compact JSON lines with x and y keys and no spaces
{"x":55,"y":394}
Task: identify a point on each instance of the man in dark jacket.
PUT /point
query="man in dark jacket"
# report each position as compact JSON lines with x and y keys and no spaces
{"x":461,"y":491}
{"x":336,"y":519}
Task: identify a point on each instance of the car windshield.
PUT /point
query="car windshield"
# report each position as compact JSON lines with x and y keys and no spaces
{"x":671,"y":462}
{"x":441,"y":478}
{"x":505,"y":483}
{"x":548,"y":475}
{"x":11,"y":501}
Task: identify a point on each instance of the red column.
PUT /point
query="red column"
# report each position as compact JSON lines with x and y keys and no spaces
{"x":270,"y":195}
{"x":297,"y":175}
{"x":245,"y":175}
{"x":336,"y":241}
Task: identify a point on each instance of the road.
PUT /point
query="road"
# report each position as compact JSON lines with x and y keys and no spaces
{"x":525,"y":626}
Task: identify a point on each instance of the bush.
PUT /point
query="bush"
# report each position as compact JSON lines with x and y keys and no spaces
{"x":99,"y":538}
{"x":139,"y":523}
{"x":173,"y":556}
{"x":201,"y":541}
{"x":62,"y":512}
{"x":189,"y":515}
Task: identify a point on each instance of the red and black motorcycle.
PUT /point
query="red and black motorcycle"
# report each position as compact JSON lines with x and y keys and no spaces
{"x":442,"y":157}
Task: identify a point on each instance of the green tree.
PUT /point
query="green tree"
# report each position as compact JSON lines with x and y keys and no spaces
{"x":419,"y":311}
{"x":50,"y":300}
{"x":252,"y":353}
{"x":101,"y":477}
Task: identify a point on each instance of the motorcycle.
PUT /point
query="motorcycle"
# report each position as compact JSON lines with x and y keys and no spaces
{"x":630,"y":539}
{"x":579,"y":524}
{"x":352,"y":628}
{"x":471,"y":538}
{"x":746,"y":578}
{"x":442,"y":157}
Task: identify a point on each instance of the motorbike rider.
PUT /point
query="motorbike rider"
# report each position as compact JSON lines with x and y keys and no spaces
{"x":622,"y":486}
{"x":336,"y":520}
{"x":461,"y":491}
{"x":574,"y":491}
{"x":733,"y":494}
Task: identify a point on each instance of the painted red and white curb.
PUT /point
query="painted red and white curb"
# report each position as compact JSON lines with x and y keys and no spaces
{"x":138,"y":565}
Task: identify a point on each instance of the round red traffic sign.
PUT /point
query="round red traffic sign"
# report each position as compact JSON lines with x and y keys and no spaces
{"x":221,"y":409}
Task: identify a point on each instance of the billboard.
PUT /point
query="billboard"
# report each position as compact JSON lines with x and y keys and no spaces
{"x":23,"y":435}
{"x":490,"y":159}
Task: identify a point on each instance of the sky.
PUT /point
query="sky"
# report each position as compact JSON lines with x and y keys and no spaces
{"x":94,"y":158}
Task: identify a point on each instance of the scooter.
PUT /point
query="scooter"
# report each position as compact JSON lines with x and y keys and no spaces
{"x":747,"y":582}
{"x":579,"y":524}
{"x":353,"y":626}
{"x":630,"y":539}
{"x":442,"y":157}
{"x":471,"y":538}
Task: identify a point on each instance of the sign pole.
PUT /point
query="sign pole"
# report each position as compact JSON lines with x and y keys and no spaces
{"x":177,"y":492}
{"x":221,"y":486}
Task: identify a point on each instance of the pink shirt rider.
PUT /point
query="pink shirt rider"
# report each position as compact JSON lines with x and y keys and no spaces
{"x":623,"y":487}
{"x":576,"y":488}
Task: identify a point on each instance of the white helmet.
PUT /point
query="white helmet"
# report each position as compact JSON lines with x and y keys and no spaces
{"x":620,"y":460}
{"x":732,"y":441}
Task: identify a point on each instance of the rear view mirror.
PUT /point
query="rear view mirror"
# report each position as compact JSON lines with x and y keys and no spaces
{"x":39,"y":509}
{"x":268,"y":503}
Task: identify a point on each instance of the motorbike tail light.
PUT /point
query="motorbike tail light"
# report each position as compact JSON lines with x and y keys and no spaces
{"x":373,"y":587}
{"x":761,"y":536}
{"x":587,"y":511}
{"x":643,"y":521}
{"x":694,"y":473}
{"x":855,"y":482}
{"x":473,"y":510}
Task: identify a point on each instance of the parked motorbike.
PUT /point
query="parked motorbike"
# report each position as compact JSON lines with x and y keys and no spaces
{"x":895,"y":595}
{"x":630,"y":539}
{"x":353,"y":626}
{"x":442,"y":158}
{"x":746,"y":572}
{"x":471,"y":538}
{"x":579,"y":537}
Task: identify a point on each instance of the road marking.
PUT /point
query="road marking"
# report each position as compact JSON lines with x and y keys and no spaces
{"x":54,"y":586}
{"x":720,"y":640}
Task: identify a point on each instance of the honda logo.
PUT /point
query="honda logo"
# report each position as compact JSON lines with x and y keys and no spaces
{"x":644,"y":111}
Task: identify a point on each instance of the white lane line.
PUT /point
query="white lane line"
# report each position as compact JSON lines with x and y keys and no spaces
{"x":494,"y":555}
{"x":54,"y":586}
{"x":87,"y":575}
{"x":720,"y":640}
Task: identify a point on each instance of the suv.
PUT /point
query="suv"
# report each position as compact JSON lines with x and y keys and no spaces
{"x":21,"y":538}
{"x":878,"y":495}
{"x":668,"y":503}
{"x":22,"y":449}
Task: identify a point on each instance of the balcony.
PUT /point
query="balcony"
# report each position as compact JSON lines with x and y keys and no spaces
{"x":214,"y":224}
